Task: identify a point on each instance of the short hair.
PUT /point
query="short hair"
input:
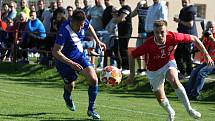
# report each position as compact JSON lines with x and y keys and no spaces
{"x":209,"y":24}
{"x":32,"y":12}
{"x":69,"y":7}
{"x":159,"y":23}
{"x":78,"y":15}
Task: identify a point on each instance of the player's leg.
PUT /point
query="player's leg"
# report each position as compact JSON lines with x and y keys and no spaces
{"x":90,"y":74}
{"x":172,"y":77}
{"x":68,"y":88}
{"x":69,"y":76}
{"x":164,"y":102}
{"x":157,"y":80}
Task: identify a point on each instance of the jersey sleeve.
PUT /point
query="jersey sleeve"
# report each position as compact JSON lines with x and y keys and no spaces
{"x":86,"y":25}
{"x":61,"y":36}
{"x":182,"y":38}
{"x":139,"y":51}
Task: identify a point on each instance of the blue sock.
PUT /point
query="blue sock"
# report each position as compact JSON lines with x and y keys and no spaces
{"x":67,"y":95}
{"x":92,"y":93}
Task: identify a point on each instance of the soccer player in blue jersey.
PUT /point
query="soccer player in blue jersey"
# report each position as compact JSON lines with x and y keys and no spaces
{"x":68,"y":51}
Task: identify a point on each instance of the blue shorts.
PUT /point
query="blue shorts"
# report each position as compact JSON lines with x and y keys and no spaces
{"x":67,"y":73}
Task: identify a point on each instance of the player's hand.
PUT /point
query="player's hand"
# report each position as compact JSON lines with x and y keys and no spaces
{"x":209,"y":61}
{"x":76,"y":66}
{"x":102,"y":45}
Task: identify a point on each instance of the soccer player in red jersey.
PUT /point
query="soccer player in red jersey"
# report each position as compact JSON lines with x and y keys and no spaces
{"x":159,"y":56}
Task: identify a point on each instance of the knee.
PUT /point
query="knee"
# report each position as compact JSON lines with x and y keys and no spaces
{"x":93,"y":80}
{"x":174,"y":83}
{"x":202,"y":75}
{"x":161,"y":100}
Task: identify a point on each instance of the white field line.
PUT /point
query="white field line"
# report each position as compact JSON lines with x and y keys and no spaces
{"x":82,"y":103}
{"x":110,"y":107}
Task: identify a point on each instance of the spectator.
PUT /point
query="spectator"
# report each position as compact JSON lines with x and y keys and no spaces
{"x":34,"y":38}
{"x":186,"y":24}
{"x":23,"y":8}
{"x":47,"y":22}
{"x":141,"y":10}
{"x":96,"y":13}
{"x":107,"y":14}
{"x":32,"y":7}
{"x":20,"y":25}
{"x":12,"y":11}
{"x":3,"y":27}
{"x":87,"y":8}
{"x":157,"y":11}
{"x":69,"y":11}
{"x":78,"y":5}
{"x":4,"y":12}
{"x":108,"y":38}
{"x":58,"y":21}
{"x":95,"y":16}
{"x":47,"y":16}
{"x":197,"y":77}
{"x":124,"y":32}
{"x":60,"y":9}
{"x":41,"y":9}
{"x":89,"y":44}
{"x":9,"y":39}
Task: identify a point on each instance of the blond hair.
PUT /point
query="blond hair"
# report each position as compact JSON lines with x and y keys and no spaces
{"x":160,"y":23}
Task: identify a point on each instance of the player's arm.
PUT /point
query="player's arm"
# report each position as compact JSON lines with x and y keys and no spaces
{"x":134,"y":12}
{"x":93,"y":33}
{"x":211,"y":38}
{"x":56,"y":52}
{"x":201,"y":47}
{"x":185,"y":23}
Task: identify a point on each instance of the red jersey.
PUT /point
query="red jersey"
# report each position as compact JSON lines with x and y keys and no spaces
{"x":156,"y":56}
{"x":3,"y":25}
{"x":210,"y":47}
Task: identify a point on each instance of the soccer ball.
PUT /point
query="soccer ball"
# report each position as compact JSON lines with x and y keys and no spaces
{"x":111,"y":75}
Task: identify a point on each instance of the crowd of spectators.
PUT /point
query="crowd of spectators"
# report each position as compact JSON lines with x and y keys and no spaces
{"x":37,"y":26}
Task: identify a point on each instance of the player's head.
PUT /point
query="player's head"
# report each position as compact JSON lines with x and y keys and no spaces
{"x":210,"y":26}
{"x":160,"y":30}
{"x":185,"y":3}
{"x":156,"y":1}
{"x":77,"y":21}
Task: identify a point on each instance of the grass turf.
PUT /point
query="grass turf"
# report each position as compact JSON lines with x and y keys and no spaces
{"x":34,"y":93}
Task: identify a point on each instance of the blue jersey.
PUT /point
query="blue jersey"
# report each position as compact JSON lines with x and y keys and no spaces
{"x":70,"y":40}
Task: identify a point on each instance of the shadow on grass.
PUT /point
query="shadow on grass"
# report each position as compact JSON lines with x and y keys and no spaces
{"x":38,"y":117}
{"x":25,"y":115}
{"x":69,"y":119}
{"x":38,"y":75}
